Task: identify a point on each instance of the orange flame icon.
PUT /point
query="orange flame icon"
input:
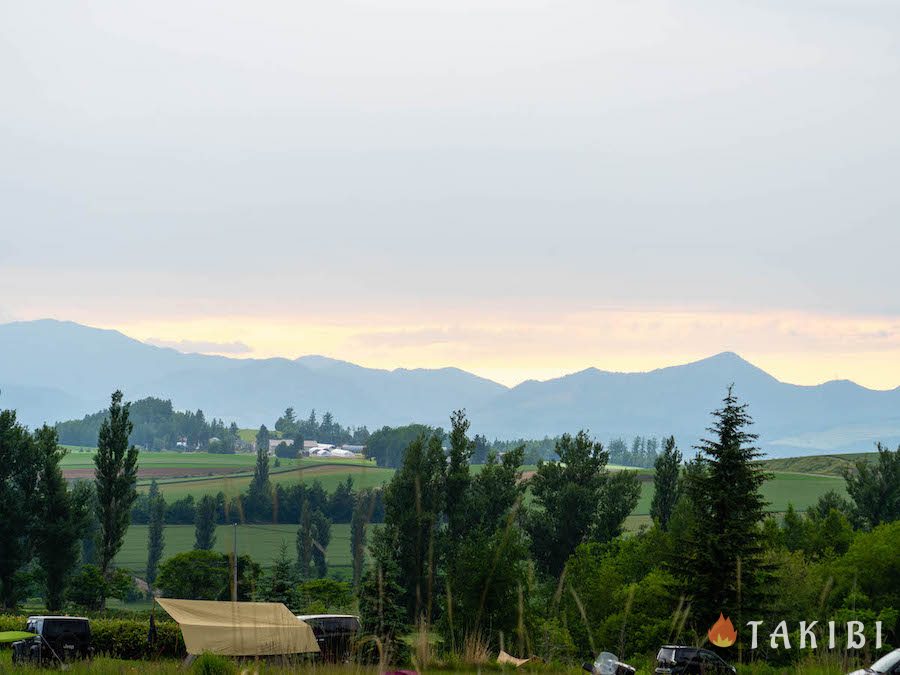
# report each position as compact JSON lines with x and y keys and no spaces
{"x":722,"y":633}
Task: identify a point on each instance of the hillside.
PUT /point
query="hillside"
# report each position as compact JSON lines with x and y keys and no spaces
{"x":822,"y":465}
{"x":52,"y":370}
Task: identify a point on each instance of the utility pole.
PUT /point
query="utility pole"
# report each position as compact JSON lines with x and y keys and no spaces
{"x":234,"y":563}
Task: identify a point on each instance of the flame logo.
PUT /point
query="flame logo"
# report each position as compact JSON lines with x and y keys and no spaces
{"x":722,"y":633}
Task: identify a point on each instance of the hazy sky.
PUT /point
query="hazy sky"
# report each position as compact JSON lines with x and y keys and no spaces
{"x":518,"y":187}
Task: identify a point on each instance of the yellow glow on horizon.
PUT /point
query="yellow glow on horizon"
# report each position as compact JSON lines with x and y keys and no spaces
{"x":800,"y":348}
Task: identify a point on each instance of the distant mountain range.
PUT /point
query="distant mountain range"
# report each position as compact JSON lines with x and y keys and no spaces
{"x":52,"y":370}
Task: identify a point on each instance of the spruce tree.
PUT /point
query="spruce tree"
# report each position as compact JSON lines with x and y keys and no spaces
{"x":720,"y":563}
{"x":381,"y":603}
{"x":115,"y":477}
{"x":278,"y":584}
{"x":155,"y":538}
{"x":665,"y":484}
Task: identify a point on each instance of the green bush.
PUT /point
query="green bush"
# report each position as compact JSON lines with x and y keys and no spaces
{"x":211,"y":664}
{"x":127,"y":639}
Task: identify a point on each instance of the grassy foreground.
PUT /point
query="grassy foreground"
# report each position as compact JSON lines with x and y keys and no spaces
{"x":107,"y":666}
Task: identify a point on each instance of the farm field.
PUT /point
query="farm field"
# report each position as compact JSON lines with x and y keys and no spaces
{"x":328,"y":472}
{"x":261,"y":542}
{"x":831,"y":465}
{"x":197,"y":474}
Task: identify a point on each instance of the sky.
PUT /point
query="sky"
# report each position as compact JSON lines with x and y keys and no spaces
{"x":520,"y":188}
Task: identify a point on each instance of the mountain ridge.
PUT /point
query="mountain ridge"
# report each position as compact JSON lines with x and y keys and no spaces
{"x":53,"y":370}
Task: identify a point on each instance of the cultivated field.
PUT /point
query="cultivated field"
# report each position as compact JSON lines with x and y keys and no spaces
{"x":800,"y":481}
{"x":261,"y":542}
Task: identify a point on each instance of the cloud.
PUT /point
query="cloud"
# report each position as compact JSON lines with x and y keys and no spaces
{"x":202,"y":346}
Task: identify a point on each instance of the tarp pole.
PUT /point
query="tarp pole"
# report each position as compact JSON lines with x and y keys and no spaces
{"x":234,"y":562}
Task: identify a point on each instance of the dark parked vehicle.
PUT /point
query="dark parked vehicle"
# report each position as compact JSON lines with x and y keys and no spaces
{"x":335,"y":633}
{"x":679,"y":660}
{"x":56,"y":639}
{"x":889,"y":664}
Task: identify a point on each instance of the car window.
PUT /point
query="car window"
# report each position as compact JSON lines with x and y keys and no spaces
{"x":666,"y":655}
{"x":686,"y":655}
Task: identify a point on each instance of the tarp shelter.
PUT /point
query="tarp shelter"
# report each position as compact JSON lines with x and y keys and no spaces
{"x":240,"y":628}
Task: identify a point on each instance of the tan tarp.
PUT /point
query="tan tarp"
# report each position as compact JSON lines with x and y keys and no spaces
{"x":240,"y":628}
{"x":507,"y":659}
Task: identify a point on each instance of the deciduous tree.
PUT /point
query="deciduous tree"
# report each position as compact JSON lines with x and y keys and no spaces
{"x":666,"y":483}
{"x":115,"y":474}
{"x":155,"y":537}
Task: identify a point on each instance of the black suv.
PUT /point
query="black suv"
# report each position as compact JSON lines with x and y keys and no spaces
{"x":56,"y":639}
{"x":678,"y":660}
{"x":335,"y":634}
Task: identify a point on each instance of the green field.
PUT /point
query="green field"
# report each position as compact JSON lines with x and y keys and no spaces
{"x":800,"y":480}
{"x":830,"y":465}
{"x":261,"y":542}
{"x":328,"y":473}
{"x":84,"y":458}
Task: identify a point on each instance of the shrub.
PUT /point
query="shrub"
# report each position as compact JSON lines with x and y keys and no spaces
{"x":211,"y":664}
{"x":122,"y":638}
{"x":127,"y":639}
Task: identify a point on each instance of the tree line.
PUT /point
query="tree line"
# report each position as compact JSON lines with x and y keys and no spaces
{"x":155,"y":425}
{"x":46,"y":528}
{"x":327,"y":430}
{"x":462,"y":556}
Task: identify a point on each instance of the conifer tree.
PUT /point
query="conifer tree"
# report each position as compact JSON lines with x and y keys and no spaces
{"x":720,"y":562}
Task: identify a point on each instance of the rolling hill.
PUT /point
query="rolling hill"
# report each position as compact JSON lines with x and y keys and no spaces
{"x":52,"y":370}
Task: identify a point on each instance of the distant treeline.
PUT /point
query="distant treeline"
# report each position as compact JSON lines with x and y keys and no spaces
{"x":157,"y":426}
{"x":284,"y":507}
{"x":388,"y":445}
{"x":325,"y":431}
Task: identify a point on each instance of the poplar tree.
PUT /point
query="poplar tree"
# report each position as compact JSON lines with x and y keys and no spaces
{"x":358,"y":522}
{"x":260,"y":493}
{"x":458,"y":476}
{"x":205,"y":524}
{"x":304,"y":542}
{"x":665,"y":483}
{"x":115,"y":477}
{"x":155,"y":538}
